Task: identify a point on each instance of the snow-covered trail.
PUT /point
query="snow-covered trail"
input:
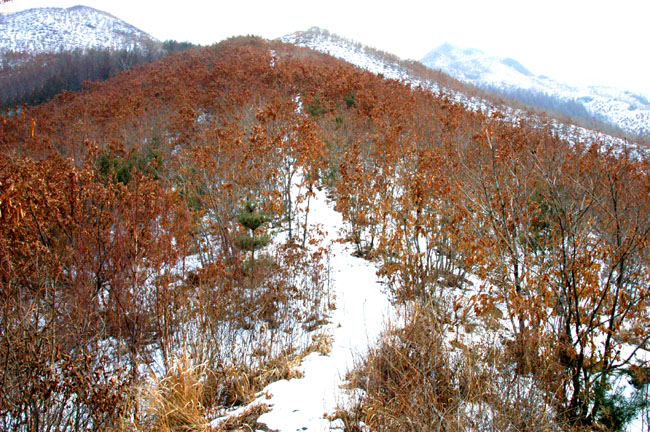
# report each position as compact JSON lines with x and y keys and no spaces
{"x":362,"y":310}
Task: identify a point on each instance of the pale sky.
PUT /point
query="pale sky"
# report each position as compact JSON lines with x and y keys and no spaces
{"x":581,"y":42}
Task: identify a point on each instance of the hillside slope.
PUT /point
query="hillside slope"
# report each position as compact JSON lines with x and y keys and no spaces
{"x":56,"y":29}
{"x":623,"y":109}
{"x":462,"y":90}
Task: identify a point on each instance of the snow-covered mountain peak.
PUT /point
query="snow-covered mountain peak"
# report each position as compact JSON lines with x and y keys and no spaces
{"x":475,"y":66}
{"x":57,"y":29}
{"x":449,"y":49}
{"x":621,"y":109}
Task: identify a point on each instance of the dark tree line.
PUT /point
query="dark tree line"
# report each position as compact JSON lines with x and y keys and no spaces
{"x":33,"y":79}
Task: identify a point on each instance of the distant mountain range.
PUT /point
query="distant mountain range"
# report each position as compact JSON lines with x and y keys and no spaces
{"x":623,"y":109}
{"x":56,"y":29}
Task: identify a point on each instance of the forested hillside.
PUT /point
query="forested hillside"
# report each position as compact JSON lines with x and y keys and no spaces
{"x":517,"y":99}
{"x":27,"y":79}
{"x":158,"y":263}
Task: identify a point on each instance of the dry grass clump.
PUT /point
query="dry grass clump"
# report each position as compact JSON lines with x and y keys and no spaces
{"x":193,"y":391}
{"x":189,"y":394}
{"x":412,"y":383}
{"x":174,"y":403}
{"x":321,"y":343}
{"x":246,"y":421}
{"x":417,"y":380}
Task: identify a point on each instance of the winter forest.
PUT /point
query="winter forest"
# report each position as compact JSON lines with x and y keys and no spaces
{"x":162,"y":259}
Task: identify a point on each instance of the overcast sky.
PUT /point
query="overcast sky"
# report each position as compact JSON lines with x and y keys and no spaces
{"x":577,"y":41}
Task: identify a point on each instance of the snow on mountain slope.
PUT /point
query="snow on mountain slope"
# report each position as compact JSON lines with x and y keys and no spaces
{"x":350,"y":51}
{"x":57,"y":29}
{"x":622,"y":109}
{"x":392,"y":67}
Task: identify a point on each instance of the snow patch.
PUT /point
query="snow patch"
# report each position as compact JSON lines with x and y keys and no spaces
{"x":362,"y":312}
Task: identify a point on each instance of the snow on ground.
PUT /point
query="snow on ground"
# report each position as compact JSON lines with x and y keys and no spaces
{"x":361,"y":314}
{"x":348,"y":51}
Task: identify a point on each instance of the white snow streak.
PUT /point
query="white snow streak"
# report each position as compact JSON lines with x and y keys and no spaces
{"x":362,"y":313}
{"x":362,"y":310}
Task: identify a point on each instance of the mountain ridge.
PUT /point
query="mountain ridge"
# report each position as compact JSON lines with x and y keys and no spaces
{"x":616,"y":107}
{"x":438,"y":81}
{"x":51,"y":29}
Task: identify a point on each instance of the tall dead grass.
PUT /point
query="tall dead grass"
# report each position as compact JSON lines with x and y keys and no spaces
{"x":194,"y":390}
{"x":419,"y":378}
{"x":175,"y":402}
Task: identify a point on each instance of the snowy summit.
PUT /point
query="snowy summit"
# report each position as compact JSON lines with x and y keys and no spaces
{"x":57,"y":29}
{"x":623,"y":109}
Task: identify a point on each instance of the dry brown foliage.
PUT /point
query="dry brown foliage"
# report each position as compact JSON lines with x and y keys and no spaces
{"x":118,"y":251}
{"x":118,"y":211}
{"x":417,"y":379}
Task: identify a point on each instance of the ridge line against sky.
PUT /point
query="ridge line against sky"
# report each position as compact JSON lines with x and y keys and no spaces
{"x":578,"y":42}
